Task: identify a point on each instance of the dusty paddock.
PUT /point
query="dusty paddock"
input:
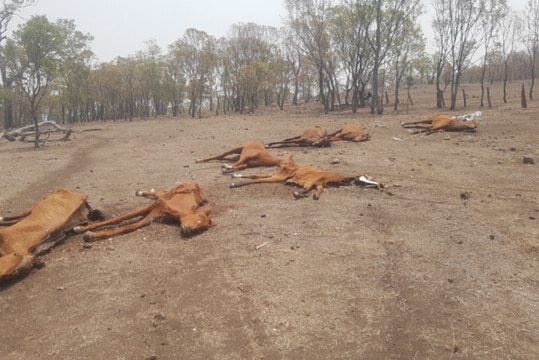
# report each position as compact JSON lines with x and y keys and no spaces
{"x":422,"y":274}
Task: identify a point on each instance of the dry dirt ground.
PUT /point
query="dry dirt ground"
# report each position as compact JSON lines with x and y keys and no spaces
{"x":446,"y":268}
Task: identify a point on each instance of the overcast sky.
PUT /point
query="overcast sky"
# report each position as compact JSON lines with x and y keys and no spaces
{"x":121,"y":27}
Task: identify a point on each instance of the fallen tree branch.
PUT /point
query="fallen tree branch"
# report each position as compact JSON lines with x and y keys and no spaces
{"x":28,"y":133}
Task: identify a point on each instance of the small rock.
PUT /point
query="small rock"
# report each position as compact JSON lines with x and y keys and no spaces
{"x":491,"y":237}
{"x":528,"y":160}
{"x":335,"y":161}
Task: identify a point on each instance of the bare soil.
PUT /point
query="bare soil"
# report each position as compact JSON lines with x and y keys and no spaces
{"x":447,"y":267}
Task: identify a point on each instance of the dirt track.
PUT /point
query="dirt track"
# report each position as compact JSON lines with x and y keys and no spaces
{"x":428,"y":273}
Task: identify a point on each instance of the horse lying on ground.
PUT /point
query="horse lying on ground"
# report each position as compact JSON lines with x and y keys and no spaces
{"x":441,"y":123}
{"x":350,"y":132}
{"x":315,"y":136}
{"x":40,"y":229}
{"x":182,"y":203}
{"x":250,"y":155}
{"x":307,"y":177}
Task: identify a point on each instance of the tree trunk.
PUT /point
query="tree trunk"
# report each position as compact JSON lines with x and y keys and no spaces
{"x":37,"y":129}
{"x":505,"y":77}
{"x":483,"y":73}
{"x":440,"y":102}
{"x":523,"y":97}
{"x":532,"y":68}
{"x":8,"y":113}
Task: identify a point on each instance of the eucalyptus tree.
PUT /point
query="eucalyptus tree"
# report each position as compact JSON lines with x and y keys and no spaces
{"x":151,"y":75}
{"x":8,"y":10}
{"x":248,"y":55}
{"x":508,"y":32}
{"x":35,"y":58}
{"x":532,"y":38}
{"x":411,"y":47}
{"x":275,"y":85}
{"x":106,"y":92}
{"x":72,"y":84}
{"x":174,"y":83}
{"x":309,"y":20}
{"x":350,"y":38}
{"x":461,"y":29}
{"x":195,"y":53}
{"x":384,"y":21}
{"x":222,"y":76}
{"x":130,"y":87}
{"x":425,"y":68}
{"x":261,"y":71}
{"x":286,"y":68}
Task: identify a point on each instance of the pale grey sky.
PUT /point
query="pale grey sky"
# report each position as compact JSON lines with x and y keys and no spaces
{"x":121,"y":27}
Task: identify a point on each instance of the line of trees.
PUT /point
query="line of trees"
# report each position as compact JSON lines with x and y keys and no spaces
{"x":338,"y":54}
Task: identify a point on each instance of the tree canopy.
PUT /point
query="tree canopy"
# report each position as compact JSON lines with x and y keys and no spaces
{"x":345,"y":54}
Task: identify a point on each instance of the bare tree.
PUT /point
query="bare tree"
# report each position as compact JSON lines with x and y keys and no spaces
{"x":293,"y":58}
{"x":490,"y":20}
{"x":458,"y":25}
{"x":309,"y":21}
{"x":385,"y":21}
{"x":349,"y":37}
{"x":440,"y":25}
{"x":532,"y":36}
{"x":411,"y":47}
{"x":508,"y":31}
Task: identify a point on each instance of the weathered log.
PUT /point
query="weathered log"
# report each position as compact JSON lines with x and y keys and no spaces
{"x":27,"y":133}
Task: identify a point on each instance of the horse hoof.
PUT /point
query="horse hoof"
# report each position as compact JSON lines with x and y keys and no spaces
{"x":88,"y":236}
